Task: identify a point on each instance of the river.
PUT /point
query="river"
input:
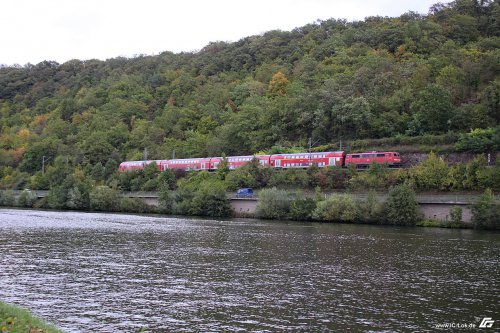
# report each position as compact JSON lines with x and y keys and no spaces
{"x":91,"y":272}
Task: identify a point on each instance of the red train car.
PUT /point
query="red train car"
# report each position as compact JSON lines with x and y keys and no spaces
{"x":137,"y":165}
{"x":305,"y":160}
{"x":237,"y":161}
{"x":188,"y":164}
{"x":363,"y":160}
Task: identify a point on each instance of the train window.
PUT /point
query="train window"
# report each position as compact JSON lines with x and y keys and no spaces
{"x":396,"y":154}
{"x":380,"y":155}
{"x":355,"y":156}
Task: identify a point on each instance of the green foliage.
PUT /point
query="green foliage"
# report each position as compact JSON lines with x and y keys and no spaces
{"x":302,"y":208}
{"x":133,"y":205}
{"x":209,"y":201}
{"x":103,"y":198}
{"x":57,"y":197}
{"x":15,"y":319}
{"x":201,"y":194}
{"x":7,"y":198}
{"x":371,"y":209}
{"x":26,"y":198}
{"x":376,"y":177}
{"x":273,"y":204}
{"x":456,"y":215}
{"x":431,"y":174}
{"x":223,"y":168}
{"x":401,"y":207}
{"x":337,"y":208}
{"x":165,"y":201}
{"x":289,"y":178}
{"x":480,"y":140}
{"x":366,"y":80}
{"x":486,"y":212}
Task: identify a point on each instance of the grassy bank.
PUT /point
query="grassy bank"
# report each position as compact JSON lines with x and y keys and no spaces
{"x":14,"y":319}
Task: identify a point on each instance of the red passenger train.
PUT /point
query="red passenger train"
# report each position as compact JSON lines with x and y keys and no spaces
{"x":278,"y":161}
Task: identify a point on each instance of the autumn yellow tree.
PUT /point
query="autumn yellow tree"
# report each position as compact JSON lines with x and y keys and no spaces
{"x":278,"y":84}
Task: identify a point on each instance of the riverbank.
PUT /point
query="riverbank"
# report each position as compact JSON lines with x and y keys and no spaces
{"x":14,"y":319}
{"x":399,"y":206}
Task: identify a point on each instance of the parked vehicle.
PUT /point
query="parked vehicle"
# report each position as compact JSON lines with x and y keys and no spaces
{"x":244,"y":193}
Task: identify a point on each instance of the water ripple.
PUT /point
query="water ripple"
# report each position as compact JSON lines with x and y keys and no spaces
{"x":120,"y":273}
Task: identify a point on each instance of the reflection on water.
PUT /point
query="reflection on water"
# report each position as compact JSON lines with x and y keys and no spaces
{"x":117,"y":273}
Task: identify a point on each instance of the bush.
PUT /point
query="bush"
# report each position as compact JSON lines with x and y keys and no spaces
{"x":273,"y":204}
{"x":338,"y":207}
{"x":480,"y":140}
{"x":182,"y":201}
{"x":371,"y":209}
{"x":211,"y":202}
{"x":431,"y":174}
{"x":134,"y":205}
{"x":456,"y":215}
{"x":165,"y":200}
{"x":103,"y":198}
{"x":486,"y":213}
{"x":27,"y":198}
{"x":302,"y":208}
{"x":401,"y":207}
{"x":77,"y":198}
{"x":289,"y":178}
{"x":240,"y":178}
{"x":7,"y":198}
{"x":57,"y":197}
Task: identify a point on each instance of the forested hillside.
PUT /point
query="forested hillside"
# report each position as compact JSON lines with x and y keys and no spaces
{"x":331,"y":80}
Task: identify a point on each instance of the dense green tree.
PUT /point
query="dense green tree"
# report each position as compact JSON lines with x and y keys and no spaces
{"x":401,"y":207}
{"x":330,"y":80}
{"x":432,"y":110}
{"x":486,"y":212}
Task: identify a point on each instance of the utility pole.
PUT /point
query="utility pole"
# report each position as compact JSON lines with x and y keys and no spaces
{"x":311,"y":144}
{"x":43,"y":163}
{"x":145,"y":154}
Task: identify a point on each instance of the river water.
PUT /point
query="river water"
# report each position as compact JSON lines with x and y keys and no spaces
{"x":88,"y":272}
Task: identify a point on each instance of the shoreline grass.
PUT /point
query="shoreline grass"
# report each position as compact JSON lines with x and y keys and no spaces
{"x":14,"y":319}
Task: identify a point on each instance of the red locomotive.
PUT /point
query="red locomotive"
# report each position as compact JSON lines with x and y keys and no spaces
{"x":363,"y":160}
{"x":278,"y":161}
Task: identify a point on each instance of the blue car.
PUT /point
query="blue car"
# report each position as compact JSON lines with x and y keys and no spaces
{"x":244,"y":193}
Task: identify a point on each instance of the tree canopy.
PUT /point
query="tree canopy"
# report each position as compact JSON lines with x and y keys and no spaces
{"x":329,"y":80}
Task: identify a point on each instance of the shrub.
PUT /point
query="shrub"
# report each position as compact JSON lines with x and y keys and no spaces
{"x":239,"y":178}
{"x":57,"y":197}
{"x":480,"y":140}
{"x":182,"y":201}
{"x":273,"y":204}
{"x":338,"y":207}
{"x":456,"y":215}
{"x":211,"y":202}
{"x":27,"y":198}
{"x":302,"y":208}
{"x":103,"y":198}
{"x":289,"y":178}
{"x":371,"y":209}
{"x":431,"y":174}
{"x":7,"y":198}
{"x":486,"y":213}
{"x":134,"y":205}
{"x":77,"y":199}
{"x":401,"y":207}
{"x":165,"y":201}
